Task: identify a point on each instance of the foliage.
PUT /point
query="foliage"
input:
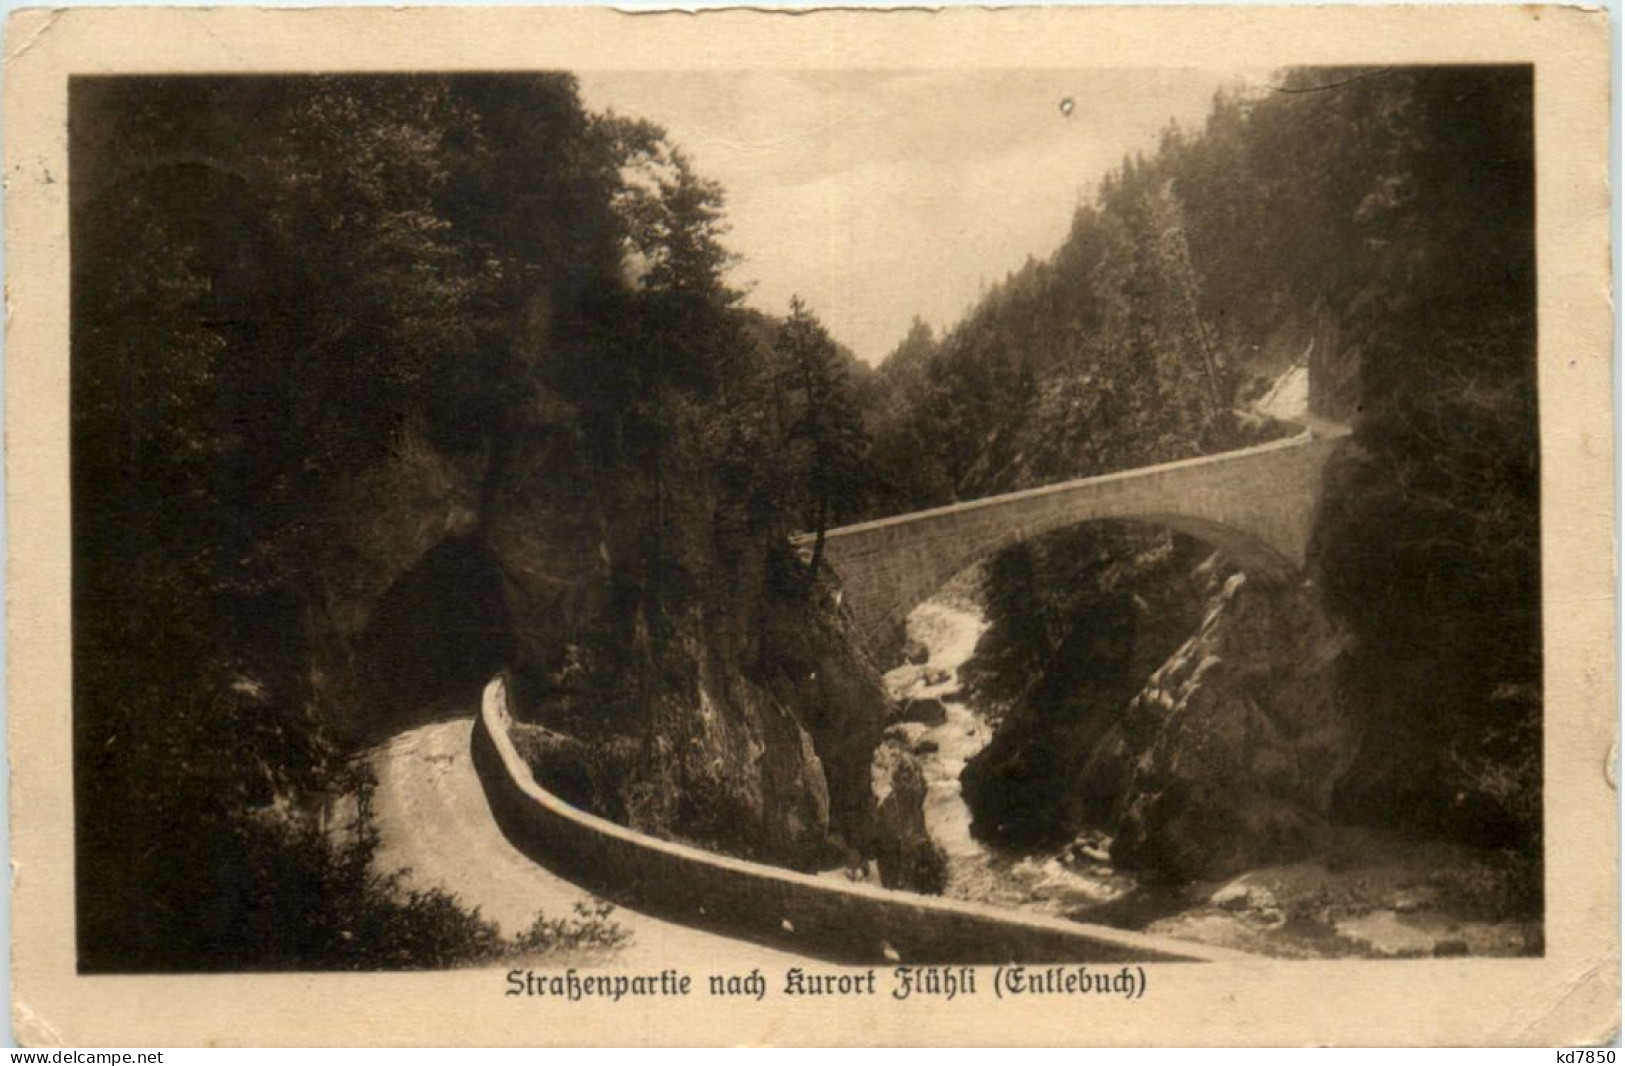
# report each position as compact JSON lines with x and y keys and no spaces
{"x":1101,"y":358}
{"x":1077,"y":621}
{"x":828,"y":443}
{"x":285,"y":287}
{"x":1429,"y":546}
{"x":288,"y":893}
{"x":590,"y":930}
{"x":1377,"y":223}
{"x":275,"y":280}
{"x":299,"y":301}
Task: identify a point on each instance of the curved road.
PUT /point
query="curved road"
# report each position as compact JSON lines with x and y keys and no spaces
{"x":432,"y":817}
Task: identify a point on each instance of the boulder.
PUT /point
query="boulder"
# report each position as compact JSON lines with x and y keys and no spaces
{"x":904,"y":732}
{"x":1089,"y":848}
{"x":915,"y":653}
{"x":927,"y":710}
{"x":908,"y":857}
{"x":1241,"y":896}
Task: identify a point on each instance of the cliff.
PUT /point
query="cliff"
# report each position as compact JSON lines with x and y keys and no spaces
{"x":1235,"y":744}
{"x":1188,"y":714}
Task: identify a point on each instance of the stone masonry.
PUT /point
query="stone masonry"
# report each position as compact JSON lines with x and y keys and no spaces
{"x":1257,"y":506}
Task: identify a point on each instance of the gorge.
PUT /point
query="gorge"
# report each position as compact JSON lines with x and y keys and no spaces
{"x":415,"y":381}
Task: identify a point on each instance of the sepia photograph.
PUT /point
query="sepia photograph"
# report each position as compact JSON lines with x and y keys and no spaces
{"x":940,"y":532}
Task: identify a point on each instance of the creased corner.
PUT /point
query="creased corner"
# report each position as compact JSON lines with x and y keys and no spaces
{"x":30,"y":1029}
{"x":28,"y":28}
{"x":1584,"y":1011}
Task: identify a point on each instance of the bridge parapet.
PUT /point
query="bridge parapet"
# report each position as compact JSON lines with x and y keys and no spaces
{"x":1256,"y":506}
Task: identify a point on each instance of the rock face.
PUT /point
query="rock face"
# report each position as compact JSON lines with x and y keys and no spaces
{"x":561,"y":764}
{"x":725,"y":695}
{"x":1227,"y":757}
{"x":1058,"y":762}
{"x":725,"y":764}
{"x":909,"y":858}
{"x":1236,"y":743}
{"x":682,"y":681}
{"x":403,"y":560}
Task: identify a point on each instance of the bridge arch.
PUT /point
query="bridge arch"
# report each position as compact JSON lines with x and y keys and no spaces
{"x":1256,"y":506}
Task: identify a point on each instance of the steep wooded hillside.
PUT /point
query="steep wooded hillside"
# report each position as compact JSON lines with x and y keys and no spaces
{"x":1375,"y":225}
{"x":382,"y":384}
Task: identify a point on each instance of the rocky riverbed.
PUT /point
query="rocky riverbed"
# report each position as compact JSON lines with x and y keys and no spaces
{"x":946,"y":630}
{"x":1364,"y":895}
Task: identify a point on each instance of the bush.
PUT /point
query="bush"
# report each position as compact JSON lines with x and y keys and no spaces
{"x":589,"y":932}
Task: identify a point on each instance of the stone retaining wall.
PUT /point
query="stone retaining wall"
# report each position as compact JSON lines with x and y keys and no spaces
{"x":843,"y":922}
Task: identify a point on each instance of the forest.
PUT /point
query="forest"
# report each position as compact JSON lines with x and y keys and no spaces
{"x":1377,"y":226}
{"x":384,"y":384}
{"x":380,"y":385}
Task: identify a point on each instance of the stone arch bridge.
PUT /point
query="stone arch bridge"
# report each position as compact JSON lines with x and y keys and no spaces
{"x":1256,"y":506}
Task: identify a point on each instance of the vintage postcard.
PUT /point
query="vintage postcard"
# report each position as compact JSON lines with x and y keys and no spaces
{"x":1026,"y":526}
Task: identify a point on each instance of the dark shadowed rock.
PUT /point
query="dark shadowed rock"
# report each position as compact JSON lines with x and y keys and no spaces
{"x":1058,"y":762}
{"x":1239,"y":739}
{"x":926,"y":710}
{"x":409,"y":611}
{"x":905,"y":732}
{"x":909,"y":858}
{"x":560,"y":763}
{"x":747,"y":728}
{"x":915,"y":653}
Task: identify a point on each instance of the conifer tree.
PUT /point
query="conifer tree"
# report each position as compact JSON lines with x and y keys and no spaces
{"x":825,"y":429}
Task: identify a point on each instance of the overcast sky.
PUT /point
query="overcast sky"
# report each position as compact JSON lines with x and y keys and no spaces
{"x":879,"y":196}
